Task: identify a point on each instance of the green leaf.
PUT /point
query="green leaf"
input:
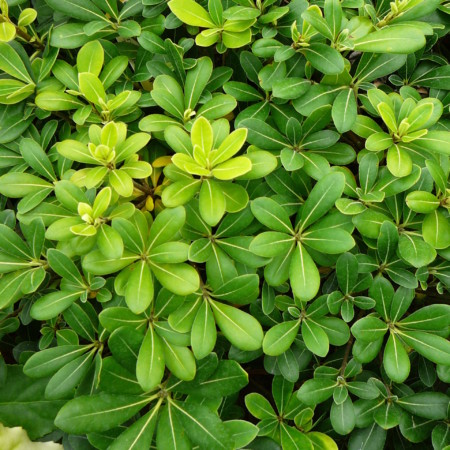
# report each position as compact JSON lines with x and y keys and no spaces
{"x":150,"y":362}
{"x":241,"y":431}
{"x":332,"y":241}
{"x":433,"y":318}
{"x":316,"y":390}
{"x":18,"y":185}
{"x":91,"y":87}
{"x":220,"y":105}
{"x":64,"y":266}
{"x":90,"y":58}
{"x":139,"y":289}
{"x":166,"y":226}
{"x":23,"y":403}
{"x":97,"y":264}
{"x":109,"y":242}
{"x":203,"y":332}
{"x":422,"y":202}
{"x":170,"y":433}
{"x":280,"y":337}
{"x":290,"y":88}
{"x":12,"y":64}
{"x":343,"y":417}
{"x":232,"y":168}
{"x":57,"y":101}
{"x":229,"y":147}
{"x":50,"y":305}
{"x":168,"y":94}
{"x":84,"y":10}
{"x":180,"y":361}
{"x":398,"y":161}
{"x":429,"y":405}
{"x":191,"y":13}
{"x":121,"y":182}
{"x":436,"y":230}
{"x":336,"y":329}
{"x":322,"y":198}
{"x":37,"y":159}
{"x":116,"y":317}
{"x":271,"y":214}
{"x":180,"y":192}
{"x":396,"y":360}
{"x":227,"y":379}
{"x":240,"y":328}
{"x":139,"y":434}
{"x":294,"y":439}
{"x":196,"y":81}
{"x":68,"y":377}
{"x":239,"y":290}
{"x":369,"y":438}
{"x":259,"y":406}
{"x":324,"y":58}
{"x":304,"y":275}
{"x":98,"y":412}
{"x":415,"y":250}
{"x":49,"y":361}
{"x":387,"y":416}
{"x":392,"y":39}
{"x":271,"y":243}
{"x":344,"y":110}
{"x":203,"y":426}
{"x":211,"y":202}
{"x":333,"y":15}
{"x":435,"y":141}
{"x":7,"y":31}
{"x":369,"y":329}
{"x":434,"y":348}
{"x":369,"y":223}
{"x":11,"y":244}
{"x":347,"y":272}
{"x":181,"y":279}
{"x":263,"y":135}
{"x":315,"y":338}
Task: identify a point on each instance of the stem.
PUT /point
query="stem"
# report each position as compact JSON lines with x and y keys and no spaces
{"x":346,"y":355}
{"x":30,"y":39}
{"x":142,"y":187}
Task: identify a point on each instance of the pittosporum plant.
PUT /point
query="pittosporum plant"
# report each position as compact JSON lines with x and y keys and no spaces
{"x":224,"y":224}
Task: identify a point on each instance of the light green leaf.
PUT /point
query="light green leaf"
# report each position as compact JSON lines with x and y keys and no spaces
{"x":150,"y":362}
{"x":240,"y":328}
{"x":91,"y":87}
{"x":90,"y":58}
{"x":280,"y":337}
{"x":396,"y":360}
{"x":211,"y":202}
{"x":392,"y":39}
{"x":50,"y":305}
{"x":191,"y":13}
{"x":304,"y":275}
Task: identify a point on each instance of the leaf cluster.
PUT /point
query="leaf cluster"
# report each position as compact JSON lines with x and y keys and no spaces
{"x":225,"y":224}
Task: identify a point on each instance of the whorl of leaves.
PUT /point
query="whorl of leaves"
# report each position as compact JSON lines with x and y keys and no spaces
{"x":224,"y":224}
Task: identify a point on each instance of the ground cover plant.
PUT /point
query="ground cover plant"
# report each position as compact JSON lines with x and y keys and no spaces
{"x":225,"y":224}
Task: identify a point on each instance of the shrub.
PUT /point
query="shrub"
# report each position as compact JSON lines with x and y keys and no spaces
{"x":225,"y":224}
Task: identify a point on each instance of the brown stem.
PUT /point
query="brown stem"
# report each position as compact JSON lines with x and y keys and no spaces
{"x":346,"y":355}
{"x":142,"y":187}
{"x":25,"y":36}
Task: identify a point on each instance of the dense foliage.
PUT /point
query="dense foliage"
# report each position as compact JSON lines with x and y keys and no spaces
{"x":225,"y":223}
